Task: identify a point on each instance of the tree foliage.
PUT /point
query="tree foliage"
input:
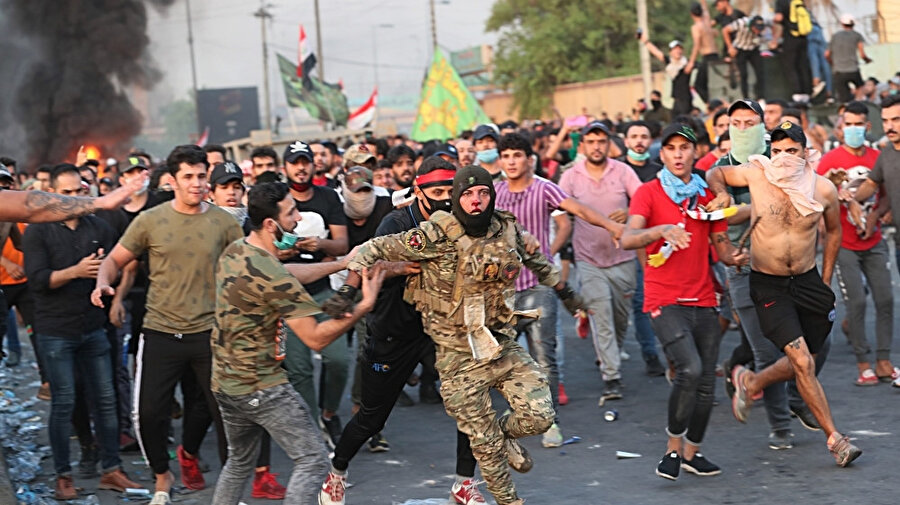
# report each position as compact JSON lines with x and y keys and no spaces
{"x":545,"y":43}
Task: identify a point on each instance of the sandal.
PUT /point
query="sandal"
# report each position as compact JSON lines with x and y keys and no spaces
{"x":890,"y":378}
{"x":867,"y":378}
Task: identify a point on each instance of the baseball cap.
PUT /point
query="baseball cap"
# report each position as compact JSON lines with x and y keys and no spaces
{"x":696,"y":9}
{"x":593,"y":126}
{"x":757,"y":22}
{"x":679,"y":130}
{"x":789,"y":130}
{"x":357,"y":154}
{"x":4,"y":173}
{"x":847,"y":19}
{"x":745,"y":103}
{"x":675,"y":43}
{"x":448,"y":150}
{"x":297,"y":150}
{"x":508,"y":124}
{"x":486,"y":130}
{"x":133,"y":163}
{"x":223,"y":173}
{"x":357,"y":177}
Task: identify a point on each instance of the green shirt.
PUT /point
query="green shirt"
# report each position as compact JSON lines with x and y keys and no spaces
{"x":255,"y":294}
{"x":182,"y":250}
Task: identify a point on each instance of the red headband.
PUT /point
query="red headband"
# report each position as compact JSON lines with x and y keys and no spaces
{"x":439,"y":175}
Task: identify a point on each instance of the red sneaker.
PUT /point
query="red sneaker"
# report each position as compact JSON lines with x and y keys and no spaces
{"x":191,"y":476}
{"x":332,"y":492}
{"x":584,"y":325}
{"x":466,"y":493}
{"x":563,"y":397}
{"x":265,"y":486}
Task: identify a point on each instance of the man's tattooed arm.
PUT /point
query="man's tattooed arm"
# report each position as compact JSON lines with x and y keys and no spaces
{"x":41,"y":207}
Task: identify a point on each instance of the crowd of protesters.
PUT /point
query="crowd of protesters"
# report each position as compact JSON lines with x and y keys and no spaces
{"x":214,"y":274}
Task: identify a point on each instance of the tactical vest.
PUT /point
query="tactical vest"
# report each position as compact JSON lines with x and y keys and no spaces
{"x":475,"y":289}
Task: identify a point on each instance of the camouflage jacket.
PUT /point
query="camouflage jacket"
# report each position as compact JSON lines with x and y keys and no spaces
{"x":466,"y":282}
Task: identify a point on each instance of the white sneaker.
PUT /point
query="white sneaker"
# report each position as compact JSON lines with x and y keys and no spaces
{"x":552,"y":437}
{"x":896,"y":383}
{"x":333,"y":489}
{"x":466,"y":492}
{"x":160,"y":498}
{"x":624,"y":356}
{"x":818,"y":88}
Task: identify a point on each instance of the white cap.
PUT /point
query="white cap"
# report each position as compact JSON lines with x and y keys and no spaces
{"x":847,"y":19}
{"x":675,"y":43}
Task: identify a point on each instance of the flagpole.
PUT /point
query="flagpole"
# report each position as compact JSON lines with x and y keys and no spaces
{"x":321,"y":61}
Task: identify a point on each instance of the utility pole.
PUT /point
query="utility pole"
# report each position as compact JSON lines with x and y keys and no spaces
{"x":433,"y":28}
{"x":642,"y":49}
{"x":320,"y":62}
{"x":190,"y":28}
{"x":264,"y":15}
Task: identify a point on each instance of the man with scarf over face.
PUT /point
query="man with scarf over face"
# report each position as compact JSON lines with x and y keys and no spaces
{"x":470,"y":258}
{"x":667,"y":217}
{"x":794,"y":303}
{"x":396,"y":343}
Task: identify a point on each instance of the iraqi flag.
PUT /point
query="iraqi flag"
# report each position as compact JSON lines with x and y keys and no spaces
{"x":365,"y":114}
{"x":204,"y":138}
{"x":306,"y":60}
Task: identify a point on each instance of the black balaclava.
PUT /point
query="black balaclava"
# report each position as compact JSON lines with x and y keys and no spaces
{"x":464,"y":179}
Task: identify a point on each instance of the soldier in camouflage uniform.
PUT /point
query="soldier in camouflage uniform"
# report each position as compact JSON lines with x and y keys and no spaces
{"x":257,"y":299}
{"x":470,"y":259}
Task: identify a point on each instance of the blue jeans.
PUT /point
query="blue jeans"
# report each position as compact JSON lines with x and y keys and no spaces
{"x":541,"y":333}
{"x":280,"y":411}
{"x":12,"y":333}
{"x":690,"y":337}
{"x":819,"y":66}
{"x":90,"y":354}
{"x":643,"y":331}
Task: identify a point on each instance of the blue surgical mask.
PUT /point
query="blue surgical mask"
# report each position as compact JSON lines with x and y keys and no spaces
{"x":638,"y":156}
{"x":745,"y":143}
{"x":854,"y":136}
{"x":487,"y":156}
{"x":287,"y":240}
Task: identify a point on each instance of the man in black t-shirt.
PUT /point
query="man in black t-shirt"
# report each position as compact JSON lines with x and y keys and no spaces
{"x":322,"y":232}
{"x":794,"y":47}
{"x":678,"y":69}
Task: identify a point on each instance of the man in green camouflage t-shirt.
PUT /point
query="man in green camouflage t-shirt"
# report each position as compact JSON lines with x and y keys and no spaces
{"x":257,"y":299}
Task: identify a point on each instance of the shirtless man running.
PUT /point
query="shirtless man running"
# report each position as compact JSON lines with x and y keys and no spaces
{"x":795,"y":305}
{"x":704,"y":50}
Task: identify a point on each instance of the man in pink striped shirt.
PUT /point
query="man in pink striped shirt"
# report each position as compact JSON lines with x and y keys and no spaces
{"x":607,"y":273}
{"x":532,"y":199}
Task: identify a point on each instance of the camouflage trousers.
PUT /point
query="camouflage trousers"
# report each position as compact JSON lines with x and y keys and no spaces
{"x":465,"y":387}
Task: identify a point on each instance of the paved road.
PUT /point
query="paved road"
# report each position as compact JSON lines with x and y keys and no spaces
{"x":421,"y":462}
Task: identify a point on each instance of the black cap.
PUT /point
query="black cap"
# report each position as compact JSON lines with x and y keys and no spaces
{"x":449,"y":150}
{"x":297,"y":150}
{"x":758,"y":22}
{"x":485,"y":130}
{"x":789,"y":130}
{"x":508,"y":124}
{"x":223,"y":173}
{"x":679,"y":130}
{"x":746,"y":103}
{"x":696,"y":9}
{"x":133,"y":163}
{"x":4,"y":173}
{"x":594,"y":126}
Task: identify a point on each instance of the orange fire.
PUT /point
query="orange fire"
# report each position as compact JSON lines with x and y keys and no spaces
{"x":92,"y":152}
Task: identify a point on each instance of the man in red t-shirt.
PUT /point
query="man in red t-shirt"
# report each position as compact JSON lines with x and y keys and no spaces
{"x":665,"y":217}
{"x":862,"y":252}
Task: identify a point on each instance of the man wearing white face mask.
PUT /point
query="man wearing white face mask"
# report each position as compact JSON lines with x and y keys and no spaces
{"x":794,"y":304}
{"x":485,"y":139}
{"x":862,"y":250}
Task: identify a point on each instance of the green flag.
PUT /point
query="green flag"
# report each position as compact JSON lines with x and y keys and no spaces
{"x":322,"y":100}
{"x":446,"y":107}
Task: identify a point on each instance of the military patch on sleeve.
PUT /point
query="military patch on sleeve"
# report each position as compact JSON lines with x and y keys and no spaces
{"x":415,"y":240}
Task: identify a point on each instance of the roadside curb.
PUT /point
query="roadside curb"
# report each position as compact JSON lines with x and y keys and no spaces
{"x":7,"y":491}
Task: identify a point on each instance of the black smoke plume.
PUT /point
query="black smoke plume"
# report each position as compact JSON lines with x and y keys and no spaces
{"x":65,"y":69}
